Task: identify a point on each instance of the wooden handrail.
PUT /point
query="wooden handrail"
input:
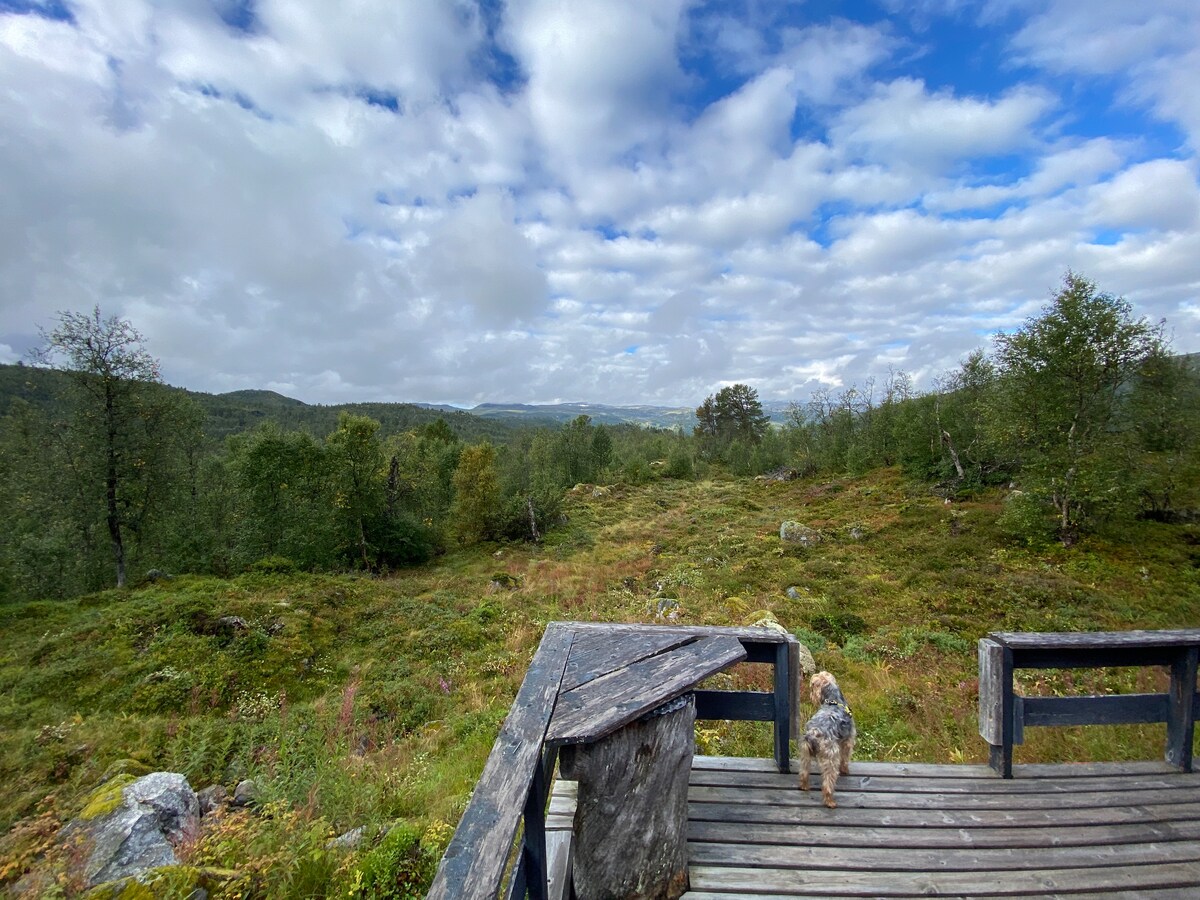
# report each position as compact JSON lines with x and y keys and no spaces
{"x":474,"y":863}
{"x":515,"y":783}
{"x":1003,"y":714}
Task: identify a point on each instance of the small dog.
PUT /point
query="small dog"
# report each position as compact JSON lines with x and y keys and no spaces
{"x":828,"y":735}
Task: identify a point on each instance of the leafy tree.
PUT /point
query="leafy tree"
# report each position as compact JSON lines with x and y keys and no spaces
{"x":284,"y":497}
{"x":1163,"y":411}
{"x":120,"y":422}
{"x":1064,"y":375}
{"x":355,"y":456}
{"x":477,"y":499}
{"x":734,"y":413}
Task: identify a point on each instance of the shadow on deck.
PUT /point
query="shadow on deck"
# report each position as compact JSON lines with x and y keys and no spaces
{"x":912,"y":830}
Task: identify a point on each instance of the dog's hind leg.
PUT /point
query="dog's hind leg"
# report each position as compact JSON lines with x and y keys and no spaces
{"x":847,"y":749}
{"x":828,"y":760}
{"x":804,"y":762}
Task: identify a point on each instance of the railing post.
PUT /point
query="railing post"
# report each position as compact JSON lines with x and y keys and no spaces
{"x":998,"y":708}
{"x":533,"y":848}
{"x":784,"y":686}
{"x":1181,"y":709}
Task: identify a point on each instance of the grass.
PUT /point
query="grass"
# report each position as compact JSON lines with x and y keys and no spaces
{"x":362,"y":702}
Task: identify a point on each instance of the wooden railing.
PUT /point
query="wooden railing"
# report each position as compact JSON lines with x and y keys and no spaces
{"x":483,"y":859}
{"x":1003,"y":714}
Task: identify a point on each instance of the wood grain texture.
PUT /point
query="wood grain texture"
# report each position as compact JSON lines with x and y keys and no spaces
{"x":595,"y":653}
{"x":1042,"y":640}
{"x":910,"y":830}
{"x":602,"y":705}
{"x":473,"y":865}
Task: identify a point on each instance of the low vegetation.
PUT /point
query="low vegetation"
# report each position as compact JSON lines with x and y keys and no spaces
{"x":365,"y":701}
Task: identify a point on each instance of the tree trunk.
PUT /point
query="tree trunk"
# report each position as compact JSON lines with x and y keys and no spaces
{"x":949,"y":445}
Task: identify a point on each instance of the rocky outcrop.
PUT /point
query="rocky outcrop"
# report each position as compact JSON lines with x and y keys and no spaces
{"x":132,"y":824}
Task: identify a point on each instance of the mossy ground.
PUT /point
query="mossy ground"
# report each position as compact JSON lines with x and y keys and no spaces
{"x":374,"y":701}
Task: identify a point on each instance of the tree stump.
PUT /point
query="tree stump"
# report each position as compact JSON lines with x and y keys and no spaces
{"x":631,"y":815}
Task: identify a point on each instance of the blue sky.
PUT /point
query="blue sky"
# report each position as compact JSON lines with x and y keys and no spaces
{"x":603,"y":200}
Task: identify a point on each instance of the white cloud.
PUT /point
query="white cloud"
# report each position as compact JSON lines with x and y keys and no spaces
{"x":341,"y":204}
{"x":1151,"y":49}
{"x":600,"y":73}
{"x":904,"y":124}
{"x":1161,"y":194}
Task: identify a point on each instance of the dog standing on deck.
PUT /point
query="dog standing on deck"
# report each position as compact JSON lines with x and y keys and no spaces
{"x":828,"y":735}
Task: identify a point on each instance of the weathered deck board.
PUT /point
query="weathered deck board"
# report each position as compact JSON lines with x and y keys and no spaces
{"x":600,"y":706}
{"x":1127,"y":830}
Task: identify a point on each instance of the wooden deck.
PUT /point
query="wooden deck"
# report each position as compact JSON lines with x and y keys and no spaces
{"x":912,"y":830}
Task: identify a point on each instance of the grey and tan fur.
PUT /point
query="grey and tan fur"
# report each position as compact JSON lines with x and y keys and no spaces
{"x":828,"y":735}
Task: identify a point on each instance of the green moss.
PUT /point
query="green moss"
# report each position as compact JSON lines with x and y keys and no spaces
{"x":163,"y":883}
{"x":106,"y":798}
{"x":133,"y":767}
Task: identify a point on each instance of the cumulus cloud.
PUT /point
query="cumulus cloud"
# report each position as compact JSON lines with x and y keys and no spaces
{"x":607,"y":201}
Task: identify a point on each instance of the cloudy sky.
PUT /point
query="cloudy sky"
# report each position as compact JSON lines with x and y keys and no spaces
{"x":619,"y":201}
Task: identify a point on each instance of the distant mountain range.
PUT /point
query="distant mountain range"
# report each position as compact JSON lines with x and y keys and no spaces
{"x":236,"y":411}
{"x":683,"y":417}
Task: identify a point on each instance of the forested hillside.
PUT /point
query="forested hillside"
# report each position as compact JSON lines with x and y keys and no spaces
{"x":107,"y":475}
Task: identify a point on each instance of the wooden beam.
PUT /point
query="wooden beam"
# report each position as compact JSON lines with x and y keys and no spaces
{"x":473,"y":865}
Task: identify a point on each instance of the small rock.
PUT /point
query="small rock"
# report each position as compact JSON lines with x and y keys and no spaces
{"x":233,"y":623}
{"x":211,"y":798}
{"x":857,"y":533}
{"x":794,"y":593}
{"x":807,"y":664}
{"x":666,"y":606}
{"x":795,"y":533}
{"x":246,"y":793}
{"x":349,"y":840}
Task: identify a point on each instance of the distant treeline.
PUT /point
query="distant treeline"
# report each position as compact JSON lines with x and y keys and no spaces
{"x":109,"y":476}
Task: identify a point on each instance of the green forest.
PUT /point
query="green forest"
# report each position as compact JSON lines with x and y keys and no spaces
{"x":339,"y":603}
{"x":110,"y":475}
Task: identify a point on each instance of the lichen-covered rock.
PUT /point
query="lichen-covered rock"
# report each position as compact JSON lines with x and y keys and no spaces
{"x":795,"y":533}
{"x":348,"y":841}
{"x":133,"y":824}
{"x":807,"y":664}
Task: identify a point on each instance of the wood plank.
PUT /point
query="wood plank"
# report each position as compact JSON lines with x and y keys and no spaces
{"x":932,"y":838}
{"x":601,"y":706}
{"x":991,"y":690}
{"x":1144,"y":894}
{"x":748,"y":881}
{"x":855,"y":781}
{"x":1088,"y":640}
{"x":742,"y":633}
{"x":923,"y":770}
{"x":970,"y":859}
{"x":955,"y":770}
{"x":595,"y":652}
{"x":845,"y":814}
{"x":1112,"y":709}
{"x":473,"y":865}
{"x":743,"y":706}
{"x":895,"y":800}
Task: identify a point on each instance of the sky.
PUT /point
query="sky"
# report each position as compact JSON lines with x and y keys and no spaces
{"x":611,"y":201}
